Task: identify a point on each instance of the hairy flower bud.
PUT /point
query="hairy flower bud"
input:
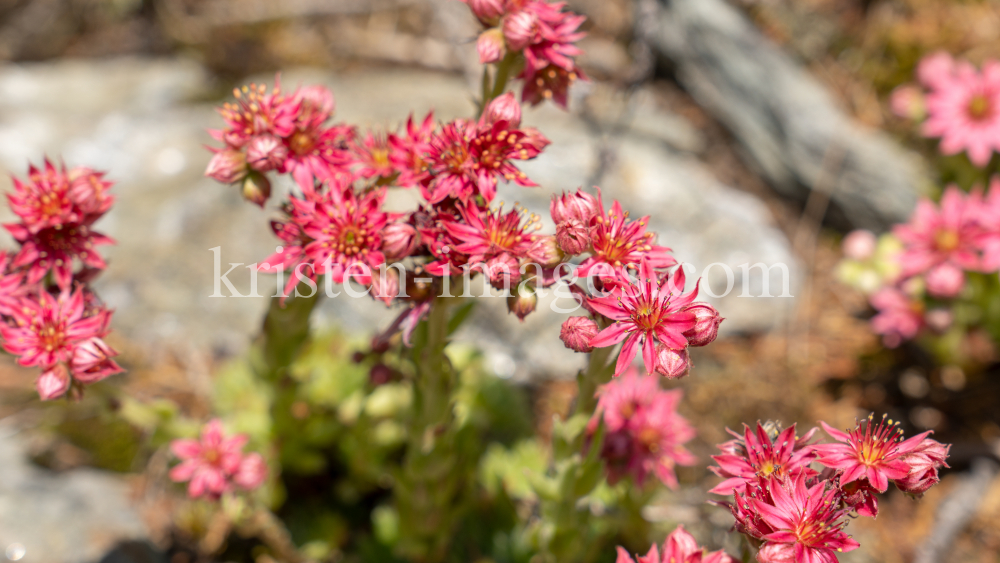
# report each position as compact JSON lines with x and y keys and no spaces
{"x":252,"y":472}
{"x":519,"y":29}
{"x":580,"y":206}
{"x":504,"y":108}
{"x":503,"y":270}
{"x":672,"y":364}
{"x":256,"y":188}
{"x":522,"y":301}
{"x":907,"y":101}
{"x":490,"y":46}
{"x":577,"y":332}
{"x":227,"y":166}
{"x":399,"y":240}
{"x":706,"y":328}
{"x":53,"y":383}
{"x":573,"y":237}
{"x":545,"y":252}
{"x":266,"y":152}
{"x":487,"y":11}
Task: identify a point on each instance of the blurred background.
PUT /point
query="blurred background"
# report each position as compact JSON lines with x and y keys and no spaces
{"x":754,"y":131}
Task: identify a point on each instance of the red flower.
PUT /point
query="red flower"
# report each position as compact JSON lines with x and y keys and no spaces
{"x":619,"y":244}
{"x":646,"y":312}
{"x":62,"y":331}
{"x":875,"y":454}
{"x":645,"y":434}
{"x":257,"y":112}
{"x":755,"y":455}
{"x":807,"y":522}
{"x":215,"y":463}
{"x":409,"y":153}
{"x":899,"y":316}
{"x":679,"y":547}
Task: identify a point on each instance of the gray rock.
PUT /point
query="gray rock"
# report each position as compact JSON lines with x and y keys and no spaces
{"x":70,"y":517}
{"x":783,"y":118}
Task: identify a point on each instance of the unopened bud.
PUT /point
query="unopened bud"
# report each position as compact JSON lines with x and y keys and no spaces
{"x":672,"y":364}
{"x":545,"y":252}
{"x":573,"y":237}
{"x":490,"y":46}
{"x":522,"y":302}
{"x":385,"y":285}
{"x":907,"y":101}
{"x":577,"y":332}
{"x":504,"y":108}
{"x":380,"y":374}
{"x":580,"y":206}
{"x":945,"y":280}
{"x":256,"y":188}
{"x":706,"y":327}
{"x":519,"y":29}
{"x":859,"y":245}
{"x":266,"y":152}
{"x":399,"y":240}
{"x":487,"y":11}
{"x":227,"y":166}
{"x":53,"y":383}
{"x":503,"y":270}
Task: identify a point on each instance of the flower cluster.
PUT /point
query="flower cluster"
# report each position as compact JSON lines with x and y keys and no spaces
{"x":679,"y":547}
{"x":630,"y":296}
{"x":794,"y":513}
{"x":51,"y":318}
{"x":643,"y":432}
{"x":960,"y":103}
{"x":542,"y":33}
{"x":933,"y":254}
{"x":215,"y":464}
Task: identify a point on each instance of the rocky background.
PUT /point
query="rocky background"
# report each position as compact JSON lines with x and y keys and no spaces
{"x":749,"y":132}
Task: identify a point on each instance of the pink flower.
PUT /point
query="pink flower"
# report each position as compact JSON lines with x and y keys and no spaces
{"x":409,"y":153}
{"x":320,"y":153}
{"x":964,"y":111}
{"x":807,"y":522}
{"x":468,"y":158}
{"x":55,"y":248}
{"x":679,"y":547}
{"x":44,"y":200}
{"x":648,"y":312}
{"x":619,"y":244}
{"x":484,"y":235}
{"x":336,"y":233}
{"x":936,"y":71}
{"x":554,"y":38}
{"x":215,"y":463}
{"x":924,"y":460}
{"x":12,"y":286}
{"x":756,"y":455}
{"x":645,"y":434}
{"x":63,"y":336}
{"x":936,"y":237}
{"x":257,"y":112}
{"x":899,"y":317}
{"x":875,"y":454}
{"x":577,"y":332}
{"x":373,"y":156}
{"x":88,"y":190}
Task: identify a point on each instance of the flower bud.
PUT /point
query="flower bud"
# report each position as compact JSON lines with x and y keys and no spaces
{"x":945,"y":280}
{"x":256,"y":188}
{"x":490,"y":46}
{"x":672,"y":364}
{"x":519,"y":29}
{"x":706,"y":327}
{"x":545,"y":251}
{"x":939,"y":320}
{"x":580,"y":206}
{"x":380,"y":374}
{"x":88,"y":190}
{"x":504,"y":108}
{"x":487,"y":11}
{"x":577,"y":332}
{"x":503,"y":271}
{"x":266,"y":152}
{"x":399,"y":240}
{"x":859,"y":245}
{"x":53,"y":383}
{"x":573,"y":237}
{"x":227,"y":166}
{"x":385,"y":285}
{"x":917,"y":482}
{"x":522,"y":302}
{"x":907,"y":101}
{"x":252,"y":472}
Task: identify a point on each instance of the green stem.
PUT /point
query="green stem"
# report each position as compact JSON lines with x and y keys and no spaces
{"x":500,"y":80}
{"x":598,"y":372}
{"x":286,"y":329}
